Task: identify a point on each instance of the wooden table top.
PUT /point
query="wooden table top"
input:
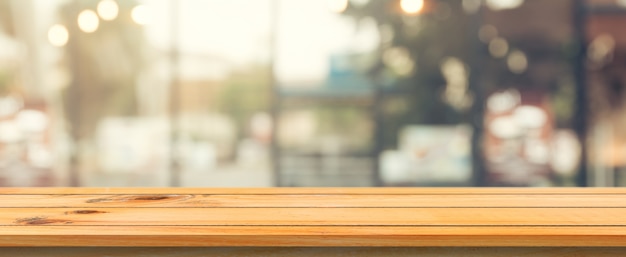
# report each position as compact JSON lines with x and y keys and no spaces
{"x":313,"y":217}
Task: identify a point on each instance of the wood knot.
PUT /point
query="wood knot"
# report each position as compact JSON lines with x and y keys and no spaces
{"x":85,"y":212}
{"x":150,"y":198}
{"x":41,"y":221}
{"x":138,"y":198}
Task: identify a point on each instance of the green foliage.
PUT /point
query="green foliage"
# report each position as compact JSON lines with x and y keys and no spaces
{"x":562,"y":101}
{"x":245,"y":93}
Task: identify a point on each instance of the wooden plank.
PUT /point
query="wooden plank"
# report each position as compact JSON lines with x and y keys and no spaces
{"x":293,"y":191}
{"x":311,"y":252}
{"x":316,"y":216}
{"x":256,"y":231}
{"x":312,"y":217}
{"x":180,"y":236}
{"x":311,"y":200}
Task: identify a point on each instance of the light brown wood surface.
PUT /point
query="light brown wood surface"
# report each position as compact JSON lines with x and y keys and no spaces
{"x":312,"y":200}
{"x":311,"y":252}
{"x":388,"y":217}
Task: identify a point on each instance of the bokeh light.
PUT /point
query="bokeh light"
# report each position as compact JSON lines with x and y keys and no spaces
{"x":601,"y":49}
{"x":487,"y":33}
{"x":529,"y":116}
{"x":58,"y":35}
{"x":33,"y":121}
{"x":140,"y":15}
{"x":412,"y":6}
{"x":337,"y":6}
{"x":359,"y":3}
{"x":498,"y":5}
{"x":88,"y":21}
{"x":399,"y":60}
{"x":505,"y":127}
{"x":10,"y":132}
{"x":456,"y":76}
{"x":471,"y":6}
{"x":517,"y":62}
{"x":108,"y":10}
{"x":10,"y":104}
{"x":504,"y":101}
{"x":498,"y":47}
{"x":566,"y":152}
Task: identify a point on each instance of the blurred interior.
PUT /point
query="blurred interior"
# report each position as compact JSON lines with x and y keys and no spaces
{"x":261,"y":93}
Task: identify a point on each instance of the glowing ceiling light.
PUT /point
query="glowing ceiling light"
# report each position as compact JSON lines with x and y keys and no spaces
{"x":412,"y":6}
{"x":88,"y":21}
{"x":108,"y":10}
{"x":58,"y":35}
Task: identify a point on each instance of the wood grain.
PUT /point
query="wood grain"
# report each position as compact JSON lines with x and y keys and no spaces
{"x":310,"y":252}
{"x":315,"y":216}
{"x":312,"y":217}
{"x":311,"y":200}
{"x":309,"y":236}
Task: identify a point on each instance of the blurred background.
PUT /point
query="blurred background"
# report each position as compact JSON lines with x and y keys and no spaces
{"x":260,"y":93}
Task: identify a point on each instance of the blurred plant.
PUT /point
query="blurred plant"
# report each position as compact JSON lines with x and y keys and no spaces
{"x":105,"y":64}
{"x":352,"y":123}
{"x":412,"y":49}
{"x":245,"y":93}
{"x":562,"y":100}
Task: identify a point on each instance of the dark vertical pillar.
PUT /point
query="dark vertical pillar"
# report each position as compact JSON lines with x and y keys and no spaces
{"x":275,"y":97}
{"x":379,"y":134}
{"x":580,"y":120}
{"x":75,"y":89}
{"x":477,"y":111}
{"x":174,"y":94}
